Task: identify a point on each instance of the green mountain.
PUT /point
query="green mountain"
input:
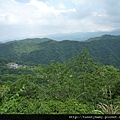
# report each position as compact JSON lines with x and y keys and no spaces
{"x":13,"y":50}
{"x":105,"y":49}
{"x":78,"y":86}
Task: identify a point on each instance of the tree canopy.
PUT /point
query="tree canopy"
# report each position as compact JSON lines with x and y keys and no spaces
{"x":79,"y":86}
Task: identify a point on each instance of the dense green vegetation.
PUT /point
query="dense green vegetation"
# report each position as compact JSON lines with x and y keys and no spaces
{"x":36,"y":51}
{"x":79,"y":86}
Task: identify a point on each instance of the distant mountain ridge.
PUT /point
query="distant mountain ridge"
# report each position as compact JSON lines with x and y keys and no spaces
{"x":75,"y":36}
{"x":105,"y":49}
{"x":103,"y":37}
{"x":82,"y":36}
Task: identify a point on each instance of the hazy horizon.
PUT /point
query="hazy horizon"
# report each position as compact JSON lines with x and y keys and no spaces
{"x":40,"y":18}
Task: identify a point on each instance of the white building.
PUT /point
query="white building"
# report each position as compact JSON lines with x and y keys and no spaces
{"x":12,"y":65}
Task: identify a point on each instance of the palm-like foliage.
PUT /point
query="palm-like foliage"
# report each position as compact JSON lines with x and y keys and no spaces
{"x":109,"y":109}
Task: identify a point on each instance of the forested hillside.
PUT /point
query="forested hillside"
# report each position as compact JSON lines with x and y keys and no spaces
{"x":105,"y":49}
{"x":79,"y":86}
{"x":13,"y":50}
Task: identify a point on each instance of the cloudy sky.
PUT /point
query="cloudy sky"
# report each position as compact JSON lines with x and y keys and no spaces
{"x":31,"y":18}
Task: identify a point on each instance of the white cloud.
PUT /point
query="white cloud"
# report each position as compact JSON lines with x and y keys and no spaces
{"x":62,"y":6}
{"x":34,"y":12}
{"x":40,"y":17}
